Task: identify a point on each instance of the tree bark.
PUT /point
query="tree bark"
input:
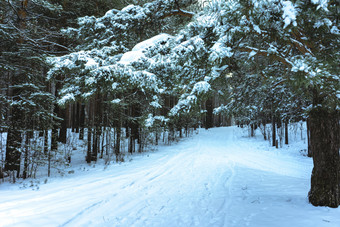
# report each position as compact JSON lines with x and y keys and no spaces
{"x":209,"y":116}
{"x":13,"y":154}
{"x":63,"y":114}
{"x":252,"y":133}
{"x":95,"y":145}
{"x":26,"y":154}
{"x":89,"y":145}
{"x":16,"y":117}
{"x":273,"y":131}
{"x":310,"y":152}
{"x":81,"y":121}
{"x":117,"y":142}
{"x":286,"y":132}
{"x":325,"y":144}
{"x":45,"y":135}
{"x":89,"y":131}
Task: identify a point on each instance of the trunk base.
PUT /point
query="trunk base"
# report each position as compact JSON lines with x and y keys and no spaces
{"x":325,"y":180}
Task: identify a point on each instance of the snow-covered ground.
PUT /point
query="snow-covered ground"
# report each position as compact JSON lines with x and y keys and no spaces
{"x":218,"y":177}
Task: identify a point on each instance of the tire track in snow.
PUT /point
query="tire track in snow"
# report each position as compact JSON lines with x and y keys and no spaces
{"x":228,"y":188}
{"x":87,"y":209}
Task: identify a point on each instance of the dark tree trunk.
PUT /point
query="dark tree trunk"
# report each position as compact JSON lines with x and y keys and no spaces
{"x":117,"y":142}
{"x":140,"y":143}
{"x":134,"y":127}
{"x":286,"y":132}
{"x":13,"y":154}
{"x":95,"y":145}
{"x":16,"y":122}
{"x":81,"y":121}
{"x":56,"y":110}
{"x":264,"y":131}
{"x":310,"y":153}
{"x":77,"y":120}
{"x":209,"y":116}
{"x":54,"y":139}
{"x":63,"y":114}
{"x":72,"y":116}
{"x":325,"y":144}
{"x":252,"y":134}
{"x":156,"y":137}
{"x":98,"y":117}
{"x":102,"y":144}
{"x":29,"y":135}
{"x":25,"y":171}
{"x":45,"y":141}
{"x":89,"y":145}
{"x":89,"y":131}
{"x":273,"y":131}
{"x":132,"y":145}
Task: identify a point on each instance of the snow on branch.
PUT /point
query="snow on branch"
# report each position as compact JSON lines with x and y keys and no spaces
{"x":178,"y":12}
{"x":258,"y":52}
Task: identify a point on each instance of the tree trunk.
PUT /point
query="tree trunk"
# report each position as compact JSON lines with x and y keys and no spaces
{"x":286,"y":132}
{"x":132,"y":145}
{"x":117,"y":142}
{"x":26,"y":151}
{"x":45,"y":135}
{"x":75,"y":117}
{"x":54,"y":139}
{"x":89,"y":145}
{"x":63,"y":114}
{"x":89,"y":122}
{"x":97,"y":118}
{"x":49,"y":164}
{"x":209,"y":116}
{"x":310,"y":153}
{"x":72,"y":108}
{"x":95,"y":145}
{"x":325,"y":144}
{"x":13,"y":154}
{"x":264,"y":131}
{"x":81,"y":121}
{"x":273,"y":132}
{"x":16,"y":118}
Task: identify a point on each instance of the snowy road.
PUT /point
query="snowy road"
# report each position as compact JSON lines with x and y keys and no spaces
{"x":216,"y":178}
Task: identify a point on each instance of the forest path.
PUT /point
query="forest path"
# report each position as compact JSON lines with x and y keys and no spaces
{"x":215,"y":178}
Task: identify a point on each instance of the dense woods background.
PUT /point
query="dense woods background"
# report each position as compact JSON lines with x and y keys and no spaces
{"x":127,"y":74}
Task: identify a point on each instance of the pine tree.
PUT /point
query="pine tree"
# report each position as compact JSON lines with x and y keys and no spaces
{"x":26,"y":100}
{"x":98,"y":67}
{"x":300,"y":41}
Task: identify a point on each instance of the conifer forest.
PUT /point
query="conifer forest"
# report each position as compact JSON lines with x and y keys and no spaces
{"x":121,"y":77}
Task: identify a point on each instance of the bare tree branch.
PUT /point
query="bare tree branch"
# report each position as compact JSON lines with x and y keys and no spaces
{"x":14,"y":9}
